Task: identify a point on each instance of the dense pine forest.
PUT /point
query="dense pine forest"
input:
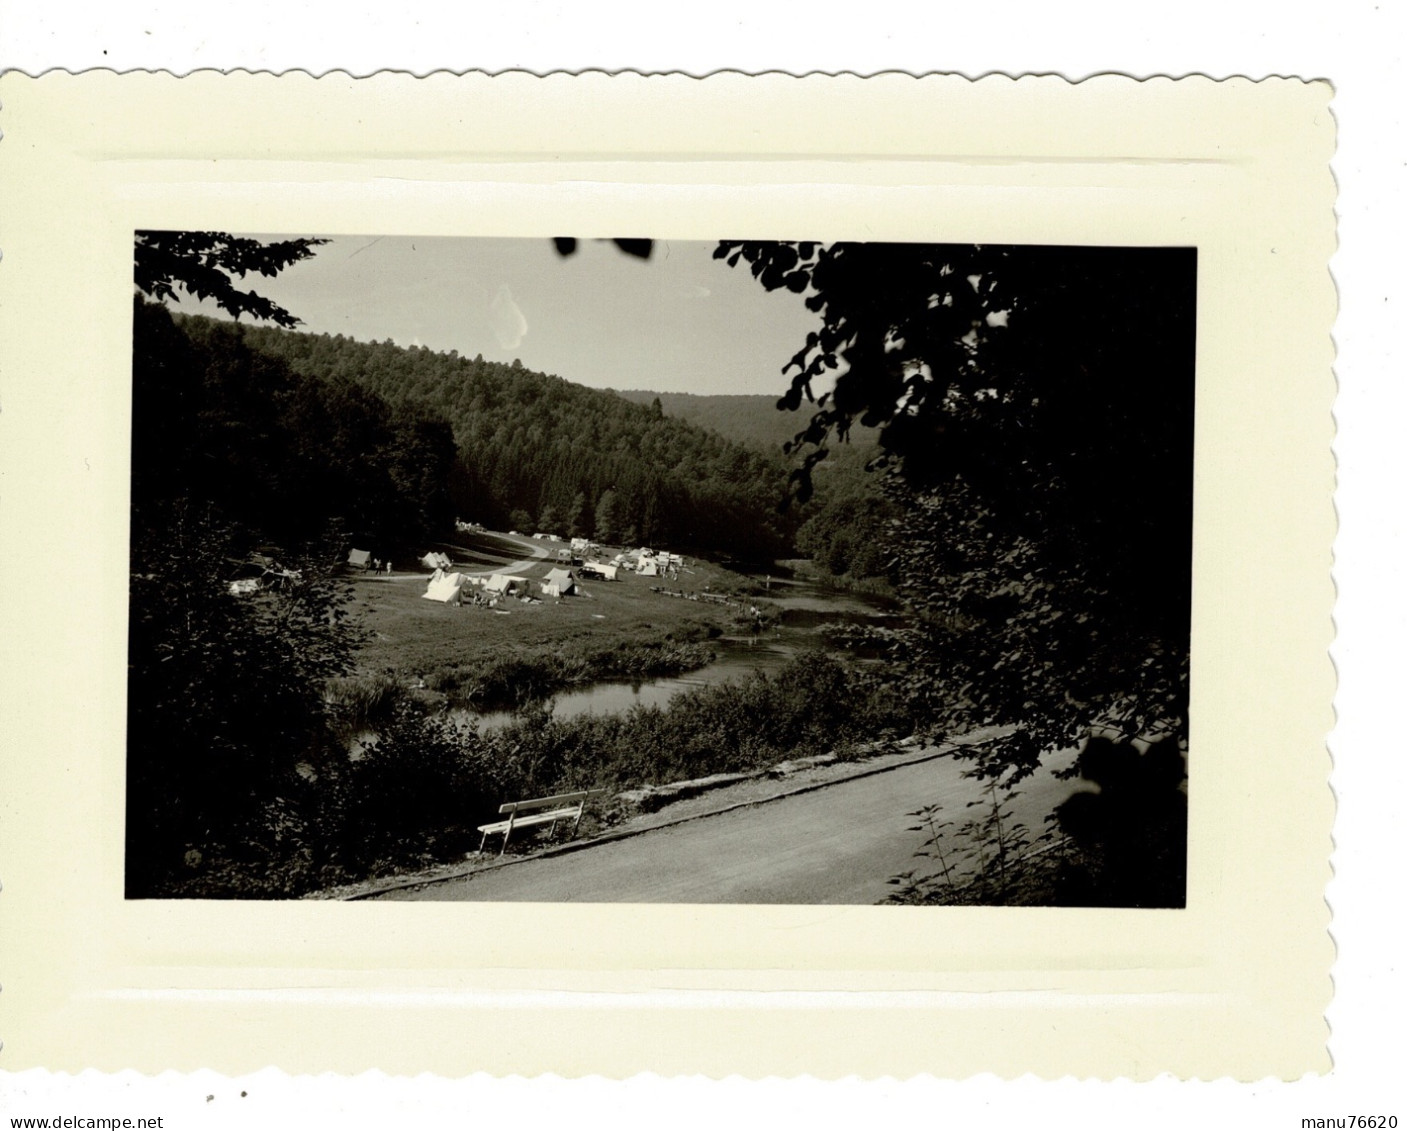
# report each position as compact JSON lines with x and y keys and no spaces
{"x":536,"y":452}
{"x":277,"y":454}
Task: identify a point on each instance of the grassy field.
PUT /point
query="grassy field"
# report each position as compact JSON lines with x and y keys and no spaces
{"x":610,"y":629}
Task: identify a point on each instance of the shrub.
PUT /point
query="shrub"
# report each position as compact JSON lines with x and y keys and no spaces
{"x":415,"y":794}
{"x":359,"y":702}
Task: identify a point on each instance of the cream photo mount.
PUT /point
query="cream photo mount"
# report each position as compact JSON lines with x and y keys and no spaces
{"x":1233,"y":985}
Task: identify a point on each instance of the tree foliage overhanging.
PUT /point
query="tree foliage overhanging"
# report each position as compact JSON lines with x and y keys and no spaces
{"x":1036,"y":406}
{"x":227,"y":725}
{"x":244,"y":449}
{"x":202,"y":264}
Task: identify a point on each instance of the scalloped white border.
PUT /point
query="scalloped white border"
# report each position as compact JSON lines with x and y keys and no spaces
{"x":1235,"y":985}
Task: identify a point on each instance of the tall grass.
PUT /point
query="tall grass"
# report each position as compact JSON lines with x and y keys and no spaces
{"x":415,"y":794}
{"x":361,"y":702}
{"x":527,"y":675}
{"x":418,"y":793}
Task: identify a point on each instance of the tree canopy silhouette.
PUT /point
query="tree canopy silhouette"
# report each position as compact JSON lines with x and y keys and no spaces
{"x":1035,"y":408}
{"x":203,"y":265}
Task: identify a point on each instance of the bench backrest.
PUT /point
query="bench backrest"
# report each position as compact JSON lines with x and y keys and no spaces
{"x":548,"y":802}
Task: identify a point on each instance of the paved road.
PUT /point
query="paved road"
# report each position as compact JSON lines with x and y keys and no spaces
{"x":838,"y":844}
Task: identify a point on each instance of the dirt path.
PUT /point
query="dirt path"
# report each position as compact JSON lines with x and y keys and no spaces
{"x":538,"y":553}
{"x":838,"y":844}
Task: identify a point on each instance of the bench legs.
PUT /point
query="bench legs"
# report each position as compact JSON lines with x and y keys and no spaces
{"x":551,"y":830}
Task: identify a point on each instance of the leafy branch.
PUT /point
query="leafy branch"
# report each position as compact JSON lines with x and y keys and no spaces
{"x":204,"y":264}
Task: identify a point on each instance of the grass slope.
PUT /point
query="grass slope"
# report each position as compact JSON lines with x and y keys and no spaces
{"x":612,"y":630}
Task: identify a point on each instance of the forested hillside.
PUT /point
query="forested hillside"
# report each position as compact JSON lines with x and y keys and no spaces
{"x":845,"y":526}
{"x":280,"y":457}
{"x":751,"y":419}
{"x":238,"y":461}
{"x":537,"y":452}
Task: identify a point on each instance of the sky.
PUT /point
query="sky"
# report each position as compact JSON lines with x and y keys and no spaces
{"x":679,"y":322}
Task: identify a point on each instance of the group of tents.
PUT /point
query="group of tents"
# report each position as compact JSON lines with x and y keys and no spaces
{"x":452,"y":588}
{"x":449,"y":587}
{"x":649,"y":563}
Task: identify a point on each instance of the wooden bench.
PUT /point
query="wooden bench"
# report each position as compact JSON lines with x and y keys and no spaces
{"x":540,"y":811}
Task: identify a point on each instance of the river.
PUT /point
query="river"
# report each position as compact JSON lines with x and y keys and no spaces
{"x":800,"y":613}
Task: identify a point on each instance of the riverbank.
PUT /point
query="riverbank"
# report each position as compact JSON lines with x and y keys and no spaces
{"x":414,"y":797}
{"x":520,"y":651}
{"x":415,"y":769}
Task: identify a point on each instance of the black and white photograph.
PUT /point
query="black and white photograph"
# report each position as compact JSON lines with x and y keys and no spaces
{"x":643,"y":570}
{"x":821,"y":577}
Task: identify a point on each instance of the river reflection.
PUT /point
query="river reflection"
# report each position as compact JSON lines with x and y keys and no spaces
{"x":799,"y":615}
{"x":740,"y":657}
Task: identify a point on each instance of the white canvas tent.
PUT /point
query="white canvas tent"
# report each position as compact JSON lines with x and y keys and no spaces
{"x":445,"y":588}
{"x":559,"y":583}
{"x":359,"y":558}
{"x":506,"y":583}
{"x":435,"y":560}
{"x":647,"y":568}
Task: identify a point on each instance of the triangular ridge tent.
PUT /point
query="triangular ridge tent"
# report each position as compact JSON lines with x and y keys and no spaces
{"x":559,"y":583}
{"x":436,"y":560}
{"x":648,"y":568}
{"x":505,"y":583}
{"x":359,"y":558}
{"x":444,"y":588}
